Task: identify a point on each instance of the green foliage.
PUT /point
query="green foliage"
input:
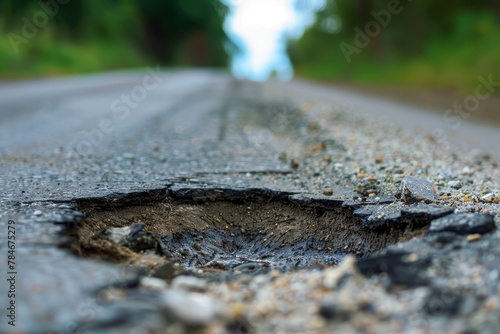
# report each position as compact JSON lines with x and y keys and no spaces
{"x":91,"y":35}
{"x":430,"y":43}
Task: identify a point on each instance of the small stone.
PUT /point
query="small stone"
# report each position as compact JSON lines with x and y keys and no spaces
{"x":328,"y":192}
{"x":110,"y":295}
{"x":327,"y":310}
{"x":318,"y":148}
{"x":147,"y":262}
{"x":294,"y":164}
{"x":366,"y":187}
{"x":455,"y":184}
{"x":379,"y":160}
{"x":464,"y":224}
{"x":444,"y":176}
{"x":327,"y":158}
{"x":491,"y":197}
{"x":237,"y":310}
{"x":192,"y":309}
{"x":38,"y":213}
{"x":129,"y":156}
{"x":491,"y":304}
{"x":152,"y":283}
{"x":488,"y":197}
{"x":338,"y":165}
{"x":372,"y":195}
{"x":412,"y":257}
{"x":467,"y":171}
{"x":345,"y":268}
{"x":473,"y":237}
{"x":342,"y":309}
{"x":134,"y":237}
{"x":165,"y":271}
{"x":415,"y":190}
{"x":190,"y":283}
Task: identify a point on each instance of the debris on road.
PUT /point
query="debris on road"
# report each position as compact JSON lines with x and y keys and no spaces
{"x":465,"y":223}
{"x":416,"y":190}
{"x":134,"y":237}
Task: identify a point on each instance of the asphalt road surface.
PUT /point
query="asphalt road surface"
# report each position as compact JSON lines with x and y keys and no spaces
{"x":129,"y":138}
{"x":56,"y":111}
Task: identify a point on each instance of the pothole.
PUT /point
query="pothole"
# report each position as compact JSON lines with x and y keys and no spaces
{"x":250,"y":233}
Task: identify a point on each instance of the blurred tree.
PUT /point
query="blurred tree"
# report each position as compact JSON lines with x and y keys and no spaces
{"x":169,"y":32}
{"x":180,"y":29}
{"x":445,"y":43}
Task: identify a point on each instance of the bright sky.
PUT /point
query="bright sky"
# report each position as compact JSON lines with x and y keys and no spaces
{"x":261,"y":28}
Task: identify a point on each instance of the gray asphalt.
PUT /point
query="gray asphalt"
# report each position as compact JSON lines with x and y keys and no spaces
{"x":56,"y":111}
{"x":84,"y":137}
{"x":463,"y":136}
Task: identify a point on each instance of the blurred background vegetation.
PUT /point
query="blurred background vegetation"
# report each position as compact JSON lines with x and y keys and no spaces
{"x":433,"y":44}
{"x":93,"y":35}
{"x":445,"y":44}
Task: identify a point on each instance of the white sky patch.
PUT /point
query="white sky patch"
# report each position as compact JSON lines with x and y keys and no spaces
{"x":261,"y":29}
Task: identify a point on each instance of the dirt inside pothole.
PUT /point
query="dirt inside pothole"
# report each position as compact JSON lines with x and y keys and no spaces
{"x":260,"y":233}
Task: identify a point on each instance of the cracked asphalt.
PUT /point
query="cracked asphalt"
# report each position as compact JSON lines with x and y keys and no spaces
{"x":132,"y":137}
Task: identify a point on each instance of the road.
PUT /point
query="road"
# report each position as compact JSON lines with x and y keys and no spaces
{"x":58,"y":110}
{"x":463,"y":134}
{"x":118,"y":139}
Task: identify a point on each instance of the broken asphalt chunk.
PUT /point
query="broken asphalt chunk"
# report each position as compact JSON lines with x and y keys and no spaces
{"x":443,"y":301}
{"x":401,"y":268}
{"x":426,"y":211}
{"x":464,"y":224}
{"x":373,"y":216}
{"x":414,"y":190}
